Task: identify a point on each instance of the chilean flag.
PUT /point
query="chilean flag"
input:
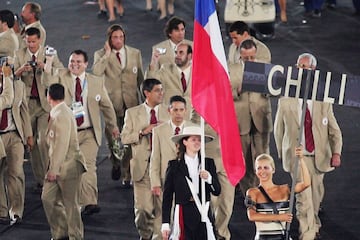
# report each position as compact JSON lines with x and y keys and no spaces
{"x":211,"y":90}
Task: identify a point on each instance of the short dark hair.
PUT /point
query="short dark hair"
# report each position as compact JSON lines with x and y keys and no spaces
{"x":177,"y":98}
{"x":33,"y":31}
{"x":239,"y":27}
{"x":35,"y":8}
{"x":248,"y":44}
{"x":8,"y":17}
{"x":56,"y":91}
{"x":81,"y":52}
{"x":172,"y":24}
{"x":148,"y":85}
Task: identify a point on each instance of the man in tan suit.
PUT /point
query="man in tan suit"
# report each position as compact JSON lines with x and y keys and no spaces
{"x":87,"y":104}
{"x":121,"y":66}
{"x":254,"y":116}
{"x":321,"y":158}
{"x":240,"y":31}
{"x":30,"y":15}
{"x":66,"y":165}
{"x":137,"y":131}
{"x":175,"y":77}
{"x":15,"y":132}
{"x":164,"y":150}
{"x":9,"y":42}
{"x":175,"y":33}
{"x":29,"y":67}
{"x":6,"y":100}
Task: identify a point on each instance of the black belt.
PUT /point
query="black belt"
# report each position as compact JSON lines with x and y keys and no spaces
{"x":2,"y":133}
{"x":82,"y":129}
{"x":309,"y":155}
{"x":34,"y":97}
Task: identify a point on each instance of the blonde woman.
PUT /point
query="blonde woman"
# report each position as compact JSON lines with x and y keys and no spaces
{"x":268,"y":204}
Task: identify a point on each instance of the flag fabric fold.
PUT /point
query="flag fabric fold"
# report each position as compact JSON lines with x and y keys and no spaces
{"x":211,"y":89}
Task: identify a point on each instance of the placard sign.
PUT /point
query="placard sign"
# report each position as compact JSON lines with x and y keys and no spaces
{"x":277,"y":80}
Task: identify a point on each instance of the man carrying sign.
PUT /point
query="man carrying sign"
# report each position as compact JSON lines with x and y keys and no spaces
{"x":253,"y":112}
{"x":322,"y":143}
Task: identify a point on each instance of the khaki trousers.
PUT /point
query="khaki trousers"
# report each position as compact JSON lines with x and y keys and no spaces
{"x":308,"y":203}
{"x":39,"y":155}
{"x":124,"y":163}
{"x":12,"y":177}
{"x":223,"y":206}
{"x":62,"y":209}
{"x":147,"y":209}
{"x":88,"y":185}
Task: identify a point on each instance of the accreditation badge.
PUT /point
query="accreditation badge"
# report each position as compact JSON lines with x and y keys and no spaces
{"x":77,"y":109}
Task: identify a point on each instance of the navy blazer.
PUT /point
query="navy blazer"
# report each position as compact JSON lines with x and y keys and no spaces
{"x":175,"y":182}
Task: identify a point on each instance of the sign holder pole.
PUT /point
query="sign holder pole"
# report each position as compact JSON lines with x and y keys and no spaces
{"x":296,"y":166}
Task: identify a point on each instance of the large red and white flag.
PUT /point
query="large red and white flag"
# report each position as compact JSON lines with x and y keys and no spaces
{"x":211,"y":90}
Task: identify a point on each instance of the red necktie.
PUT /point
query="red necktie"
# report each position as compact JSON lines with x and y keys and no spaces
{"x":78,"y":98}
{"x":309,"y":138}
{"x":183,"y":81}
{"x":118,"y":57}
{"x":177,"y":130}
{"x":4,"y":116}
{"x":153,"y":120}
{"x":34,"y":88}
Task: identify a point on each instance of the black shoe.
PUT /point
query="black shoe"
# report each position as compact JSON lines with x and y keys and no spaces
{"x":115,"y":173}
{"x":126,"y":184}
{"x":90,"y":210}
{"x":102,"y":14}
{"x":15,"y":220}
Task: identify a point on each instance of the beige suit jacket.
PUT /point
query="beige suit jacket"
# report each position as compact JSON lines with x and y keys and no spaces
{"x":326,"y":132}
{"x":64,"y":152}
{"x":6,"y":100}
{"x":22,"y":56}
{"x":169,"y":56}
{"x":97,"y":100}
{"x":262,"y":54}
{"x":9,"y":43}
{"x":123,"y":85}
{"x":20,"y":112}
{"x":163,"y":150}
{"x":249,"y":106}
{"x":136,"y":119}
{"x":39,"y":26}
{"x":170,"y":78}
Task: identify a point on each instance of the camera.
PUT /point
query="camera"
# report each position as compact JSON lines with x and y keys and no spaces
{"x":3,"y":61}
{"x":50,"y":51}
{"x":161,"y":51}
{"x":33,"y":64}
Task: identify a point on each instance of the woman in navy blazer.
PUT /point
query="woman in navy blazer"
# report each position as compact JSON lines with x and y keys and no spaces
{"x":187,"y":222}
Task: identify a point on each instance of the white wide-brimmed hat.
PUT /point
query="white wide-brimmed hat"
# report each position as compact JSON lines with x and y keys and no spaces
{"x":191,"y":131}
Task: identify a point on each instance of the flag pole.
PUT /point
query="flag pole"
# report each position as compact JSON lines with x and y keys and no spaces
{"x":202,"y":165}
{"x":296,"y":166}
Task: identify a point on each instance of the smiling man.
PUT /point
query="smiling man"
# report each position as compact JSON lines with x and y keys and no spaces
{"x":85,"y":93}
